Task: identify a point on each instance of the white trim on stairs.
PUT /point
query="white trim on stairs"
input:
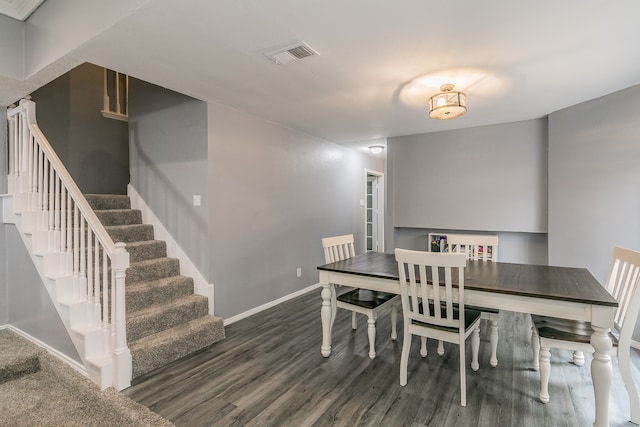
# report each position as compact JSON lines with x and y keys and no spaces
{"x":63,"y":357}
{"x":187,"y":268}
{"x":268,"y":305}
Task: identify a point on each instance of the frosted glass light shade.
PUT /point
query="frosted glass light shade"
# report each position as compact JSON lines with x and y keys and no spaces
{"x":448,"y":104}
{"x":376,"y":149}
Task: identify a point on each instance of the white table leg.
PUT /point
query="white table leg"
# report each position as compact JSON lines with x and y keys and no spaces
{"x":493,"y":322}
{"x":371,"y":332}
{"x":326,"y":316}
{"x":601,"y":370}
{"x":535,"y":346}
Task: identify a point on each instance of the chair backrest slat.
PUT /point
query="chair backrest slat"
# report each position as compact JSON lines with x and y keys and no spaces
{"x":422,"y":281}
{"x":338,"y":248}
{"x":475,"y":247}
{"x":622,"y":284}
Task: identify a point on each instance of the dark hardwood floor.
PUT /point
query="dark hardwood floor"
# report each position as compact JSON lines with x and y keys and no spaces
{"x":269,"y":372}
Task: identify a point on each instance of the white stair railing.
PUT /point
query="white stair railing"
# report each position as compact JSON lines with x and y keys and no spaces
{"x":65,"y":228}
{"x":115,"y":100}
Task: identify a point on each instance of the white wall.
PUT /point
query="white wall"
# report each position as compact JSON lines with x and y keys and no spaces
{"x":274,"y":194}
{"x":594,"y":181}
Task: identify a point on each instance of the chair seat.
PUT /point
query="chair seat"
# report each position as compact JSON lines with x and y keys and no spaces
{"x":365,"y":298}
{"x":470,"y":316}
{"x":566,"y":330}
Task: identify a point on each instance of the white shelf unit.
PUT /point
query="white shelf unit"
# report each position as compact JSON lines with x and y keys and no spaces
{"x":438,"y":242}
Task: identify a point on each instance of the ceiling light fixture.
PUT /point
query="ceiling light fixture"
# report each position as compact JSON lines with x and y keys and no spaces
{"x":448,"y":104}
{"x":376,"y":149}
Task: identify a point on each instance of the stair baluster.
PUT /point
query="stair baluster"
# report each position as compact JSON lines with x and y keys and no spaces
{"x":66,"y":231}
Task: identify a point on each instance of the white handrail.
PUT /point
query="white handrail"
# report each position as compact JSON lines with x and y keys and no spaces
{"x":54,"y":210}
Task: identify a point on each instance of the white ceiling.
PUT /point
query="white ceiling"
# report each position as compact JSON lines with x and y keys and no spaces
{"x":379,"y":60}
{"x":19,"y":9}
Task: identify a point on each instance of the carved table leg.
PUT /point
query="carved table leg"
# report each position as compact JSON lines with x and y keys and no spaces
{"x":493,"y":322}
{"x":326,"y":316}
{"x":371,"y":331}
{"x":601,"y":373}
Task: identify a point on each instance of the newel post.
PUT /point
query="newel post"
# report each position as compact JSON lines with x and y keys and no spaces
{"x":122,"y":361}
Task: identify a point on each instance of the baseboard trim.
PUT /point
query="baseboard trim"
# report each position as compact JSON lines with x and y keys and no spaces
{"x":268,"y":305}
{"x":635,"y":344}
{"x":63,"y":357}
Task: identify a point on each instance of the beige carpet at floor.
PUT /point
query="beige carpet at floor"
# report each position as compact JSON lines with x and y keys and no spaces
{"x":57,"y":395}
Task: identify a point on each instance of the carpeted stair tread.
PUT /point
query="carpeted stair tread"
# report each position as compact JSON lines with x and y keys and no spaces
{"x":152,"y":269}
{"x":108,"y":201}
{"x":141,"y":295}
{"x":160,"y":317}
{"x":165,"y":319}
{"x":146,"y":250}
{"x":164,"y":347}
{"x":18,"y":357}
{"x":130,"y":233}
{"x":119,"y":216}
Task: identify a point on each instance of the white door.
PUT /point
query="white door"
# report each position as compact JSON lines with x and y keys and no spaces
{"x":375,"y":212}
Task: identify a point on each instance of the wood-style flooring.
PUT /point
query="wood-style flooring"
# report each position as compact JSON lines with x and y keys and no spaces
{"x":269,"y":372}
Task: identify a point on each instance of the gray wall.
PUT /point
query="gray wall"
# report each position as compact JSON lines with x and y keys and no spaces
{"x":30,"y":308}
{"x":4,"y":282}
{"x":4,"y":278}
{"x":274,"y":194}
{"x":4,"y":164}
{"x":594,"y":181}
{"x":11,"y":47}
{"x":94,"y":149}
{"x":489,"y":179}
{"x":528,"y":248}
{"x":482,"y":178}
{"x":168,"y":156}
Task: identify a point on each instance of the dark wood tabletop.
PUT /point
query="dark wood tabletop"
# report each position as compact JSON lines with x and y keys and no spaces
{"x":539,"y":281}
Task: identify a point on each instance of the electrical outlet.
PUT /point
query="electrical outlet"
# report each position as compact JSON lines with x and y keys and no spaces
{"x":196,"y":200}
{"x":299,"y":272}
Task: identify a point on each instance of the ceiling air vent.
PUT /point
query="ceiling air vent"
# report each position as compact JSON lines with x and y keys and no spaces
{"x":291,"y":53}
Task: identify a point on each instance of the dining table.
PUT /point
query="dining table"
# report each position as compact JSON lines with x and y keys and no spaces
{"x":561,"y":292}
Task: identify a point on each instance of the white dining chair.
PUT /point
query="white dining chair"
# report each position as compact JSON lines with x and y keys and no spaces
{"x":483,"y":248}
{"x":429,"y":308}
{"x":549,"y":332}
{"x":364,"y":301}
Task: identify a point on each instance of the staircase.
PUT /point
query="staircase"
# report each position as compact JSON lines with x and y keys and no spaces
{"x":165,"y":320}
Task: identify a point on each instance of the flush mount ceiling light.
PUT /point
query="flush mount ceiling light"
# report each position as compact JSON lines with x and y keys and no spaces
{"x":376,"y":149}
{"x":448,"y":104}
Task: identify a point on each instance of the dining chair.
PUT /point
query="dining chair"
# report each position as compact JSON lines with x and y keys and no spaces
{"x":357,"y":300}
{"x":429,"y":308}
{"x":481,"y":248}
{"x":549,"y":332}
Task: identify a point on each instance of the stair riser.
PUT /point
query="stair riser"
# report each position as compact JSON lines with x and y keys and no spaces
{"x":151,"y":250}
{"x":141,"y":272}
{"x":166,"y":319}
{"x":119,"y":217}
{"x":147,"y":358}
{"x":139,"y":298}
{"x":131,"y":233}
{"x":105,"y":202}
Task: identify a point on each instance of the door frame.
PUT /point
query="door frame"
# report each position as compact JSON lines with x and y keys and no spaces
{"x":380,"y":207}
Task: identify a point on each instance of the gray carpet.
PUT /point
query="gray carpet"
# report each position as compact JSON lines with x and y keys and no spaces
{"x":166,"y":320}
{"x":57,"y":395}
